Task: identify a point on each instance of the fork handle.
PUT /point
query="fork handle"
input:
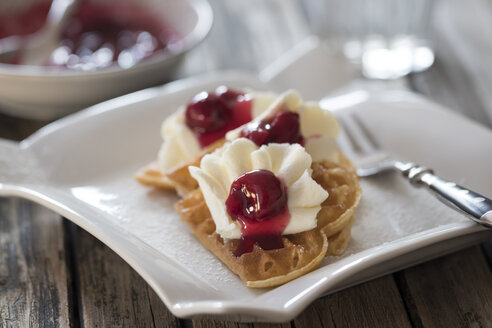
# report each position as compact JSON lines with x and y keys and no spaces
{"x":475,"y":206}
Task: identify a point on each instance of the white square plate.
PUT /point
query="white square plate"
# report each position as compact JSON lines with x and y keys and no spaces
{"x":83,"y":166}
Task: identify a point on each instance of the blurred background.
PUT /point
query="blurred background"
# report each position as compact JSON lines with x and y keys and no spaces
{"x":415,"y":43}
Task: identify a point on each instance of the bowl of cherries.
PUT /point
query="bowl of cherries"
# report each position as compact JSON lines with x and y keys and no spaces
{"x":104,"y":49}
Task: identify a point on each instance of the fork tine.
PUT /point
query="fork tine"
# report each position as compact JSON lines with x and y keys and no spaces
{"x":355,"y":135}
{"x":347,"y":140}
{"x":367,"y":134}
{"x":368,"y":159}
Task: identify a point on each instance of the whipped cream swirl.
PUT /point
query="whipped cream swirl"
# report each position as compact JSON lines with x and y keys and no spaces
{"x":319,"y":127}
{"x":290,"y":163}
{"x":180,"y":145}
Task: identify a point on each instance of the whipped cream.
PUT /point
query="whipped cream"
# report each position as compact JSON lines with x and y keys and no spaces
{"x":180,"y":145}
{"x":319,"y":127}
{"x":290,"y":163}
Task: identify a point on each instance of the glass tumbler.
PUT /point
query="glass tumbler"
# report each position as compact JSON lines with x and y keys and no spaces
{"x":387,"y":38}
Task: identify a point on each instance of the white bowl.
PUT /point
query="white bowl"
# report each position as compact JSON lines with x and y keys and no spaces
{"x":41,"y":93}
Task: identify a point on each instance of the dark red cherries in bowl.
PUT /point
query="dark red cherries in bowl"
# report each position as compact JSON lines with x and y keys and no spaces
{"x":54,"y":91}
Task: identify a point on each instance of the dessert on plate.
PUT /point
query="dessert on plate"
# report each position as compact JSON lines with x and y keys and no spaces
{"x":199,"y":128}
{"x":277,"y":196}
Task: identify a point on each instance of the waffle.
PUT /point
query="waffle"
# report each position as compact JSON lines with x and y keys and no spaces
{"x":178,"y":179}
{"x":151,"y":175}
{"x":303,"y":251}
{"x":344,"y":193}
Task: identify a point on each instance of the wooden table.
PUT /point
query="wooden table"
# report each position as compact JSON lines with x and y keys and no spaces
{"x":53,"y":274}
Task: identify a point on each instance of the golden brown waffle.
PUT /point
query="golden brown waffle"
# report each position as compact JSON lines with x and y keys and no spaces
{"x":344,"y":193}
{"x":302,"y":252}
{"x":179,"y":178}
{"x":151,"y":175}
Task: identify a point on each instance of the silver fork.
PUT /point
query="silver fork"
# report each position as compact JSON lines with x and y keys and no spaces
{"x":371,"y":160}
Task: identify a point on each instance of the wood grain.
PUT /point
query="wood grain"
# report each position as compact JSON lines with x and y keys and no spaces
{"x":111,"y":293}
{"x":14,"y":128}
{"x":487,"y":250}
{"x":226,"y":324}
{"x":377,"y":301}
{"x":35,"y":286}
{"x":452,"y":291}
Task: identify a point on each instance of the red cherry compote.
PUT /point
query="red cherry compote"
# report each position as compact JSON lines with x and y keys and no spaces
{"x":99,"y":35}
{"x":22,"y":23}
{"x":258,"y":200}
{"x":282,"y":128}
{"x":210,"y":115}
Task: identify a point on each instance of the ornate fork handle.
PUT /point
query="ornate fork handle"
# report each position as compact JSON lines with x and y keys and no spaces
{"x":474,"y":205}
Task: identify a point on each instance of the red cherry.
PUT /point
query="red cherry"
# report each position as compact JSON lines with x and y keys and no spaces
{"x":229,"y":96}
{"x":282,"y":128}
{"x":258,"y":135}
{"x":258,"y":200}
{"x":256,"y":196}
{"x":285,"y":128}
{"x":207,"y":113}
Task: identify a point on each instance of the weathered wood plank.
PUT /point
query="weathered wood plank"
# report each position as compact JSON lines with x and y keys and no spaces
{"x":14,"y":128}
{"x":111,"y":293}
{"x":375,"y":303}
{"x":226,"y":324}
{"x":452,"y":291}
{"x":487,"y":250}
{"x":34,"y":279}
{"x":161,"y":315}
